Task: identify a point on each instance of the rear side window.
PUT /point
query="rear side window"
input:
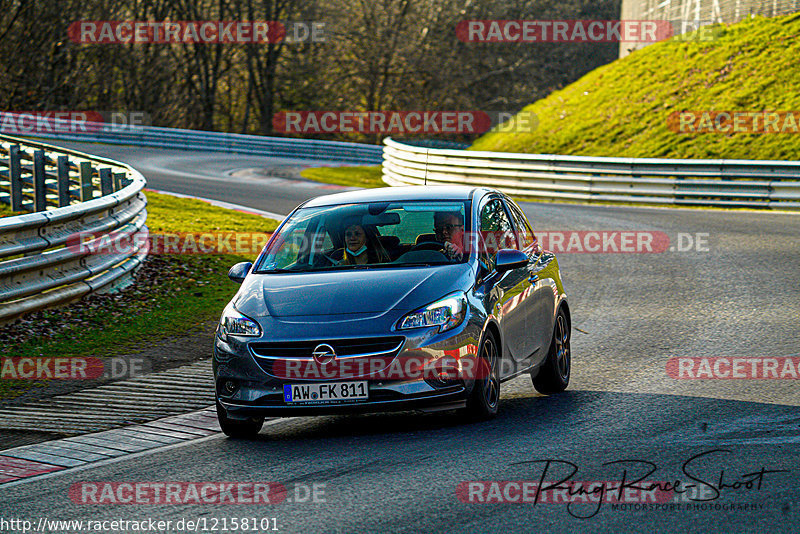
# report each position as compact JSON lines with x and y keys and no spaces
{"x":525,"y":236}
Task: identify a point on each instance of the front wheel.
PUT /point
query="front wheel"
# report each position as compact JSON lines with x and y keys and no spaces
{"x":233,"y":428}
{"x":485,"y":396}
{"x":554,"y":374}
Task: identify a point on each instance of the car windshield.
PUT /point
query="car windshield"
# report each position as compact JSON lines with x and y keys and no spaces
{"x":369,"y":235}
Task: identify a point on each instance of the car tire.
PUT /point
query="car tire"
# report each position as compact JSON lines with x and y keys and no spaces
{"x":553,"y":376}
{"x":238,"y":429}
{"x":484,"y":400}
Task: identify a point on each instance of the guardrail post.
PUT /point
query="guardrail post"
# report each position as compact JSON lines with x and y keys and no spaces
{"x":86,"y":185}
{"x":15,"y":177}
{"x":39,"y":182}
{"x":43,"y":274}
{"x":105,"y":182}
{"x":62,"y":164}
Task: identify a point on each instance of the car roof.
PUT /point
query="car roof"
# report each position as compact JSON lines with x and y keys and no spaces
{"x":391,"y":194}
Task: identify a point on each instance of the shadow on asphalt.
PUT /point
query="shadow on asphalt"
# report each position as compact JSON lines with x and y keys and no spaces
{"x":545,"y":420}
{"x":520,"y":410}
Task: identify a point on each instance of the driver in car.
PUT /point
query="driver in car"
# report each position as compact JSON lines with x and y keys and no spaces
{"x":449,"y":229}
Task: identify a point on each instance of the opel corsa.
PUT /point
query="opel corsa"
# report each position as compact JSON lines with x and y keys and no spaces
{"x":391,"y":299}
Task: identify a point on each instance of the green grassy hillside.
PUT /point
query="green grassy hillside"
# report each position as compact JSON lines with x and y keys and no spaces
{"x":622,"y":109}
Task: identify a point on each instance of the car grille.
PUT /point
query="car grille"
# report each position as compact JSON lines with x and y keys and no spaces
{"x":353,"y":348}
{"x":272,"y":357}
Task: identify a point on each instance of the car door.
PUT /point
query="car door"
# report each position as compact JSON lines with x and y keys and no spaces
{"x":539,"y":297}
{"x":497,"y":232}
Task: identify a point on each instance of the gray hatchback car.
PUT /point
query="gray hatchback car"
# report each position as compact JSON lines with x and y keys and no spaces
{"x":391,"y":299}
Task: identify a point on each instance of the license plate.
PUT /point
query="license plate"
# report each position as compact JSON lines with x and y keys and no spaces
{"x":325,"y":393}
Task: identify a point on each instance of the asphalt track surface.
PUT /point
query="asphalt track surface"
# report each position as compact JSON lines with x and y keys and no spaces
{"x":632,"y":312}
{"x":218,"y":175}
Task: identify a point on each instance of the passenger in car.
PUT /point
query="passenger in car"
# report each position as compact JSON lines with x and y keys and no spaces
{"x":449,"y":229}
{"x":362,"y":245}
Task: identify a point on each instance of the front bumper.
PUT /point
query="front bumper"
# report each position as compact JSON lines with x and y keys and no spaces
{"x":244,"y":389}
{"x":439,"y":401}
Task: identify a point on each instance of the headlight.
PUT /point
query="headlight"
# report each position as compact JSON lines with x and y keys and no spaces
{"x":233,"y":323}
{"x":447,"y":313}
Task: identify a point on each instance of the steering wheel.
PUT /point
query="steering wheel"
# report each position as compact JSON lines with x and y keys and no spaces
{"x":331,"y":261}
{"x":320,"y":260}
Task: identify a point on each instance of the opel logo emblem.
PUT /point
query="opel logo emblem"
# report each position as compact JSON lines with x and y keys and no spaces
{"x":324,"y":354}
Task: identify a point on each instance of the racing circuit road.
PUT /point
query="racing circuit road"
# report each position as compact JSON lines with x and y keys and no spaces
{"x":737,"y":298}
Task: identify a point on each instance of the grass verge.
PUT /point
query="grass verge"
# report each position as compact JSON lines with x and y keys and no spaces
{"x":172,"y":295}
{"x":363,"y":176}
{"x":622,"y":109}
{"x":5,"y":210}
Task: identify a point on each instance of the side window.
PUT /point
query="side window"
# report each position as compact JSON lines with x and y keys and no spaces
{"x":525,"y":236}
{"x":496,"y":231}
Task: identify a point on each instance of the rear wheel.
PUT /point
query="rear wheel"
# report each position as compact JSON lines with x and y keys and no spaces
{"x":554,"y":374}
{"x":233,"y":428}
{"x":485,"y":397}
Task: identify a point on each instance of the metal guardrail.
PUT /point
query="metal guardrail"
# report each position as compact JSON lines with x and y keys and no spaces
{"x":66,"y":193}
{"x":677,"y":182}
{"x":151,"y":136}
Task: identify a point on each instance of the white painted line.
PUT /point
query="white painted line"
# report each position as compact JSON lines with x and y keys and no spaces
{"x":145,"y":429}
{"x":226,"y":205}
{"x":66,"y":452}
{"x":26,"y":454}
{"x":88,"y":439}
{"x":191,"y":432}
{"x":84,"y":448}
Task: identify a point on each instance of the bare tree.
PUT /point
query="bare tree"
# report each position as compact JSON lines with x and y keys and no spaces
{"x":378,"y":55}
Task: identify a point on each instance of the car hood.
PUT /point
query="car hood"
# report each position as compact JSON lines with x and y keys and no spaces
{"x":357,"y":292}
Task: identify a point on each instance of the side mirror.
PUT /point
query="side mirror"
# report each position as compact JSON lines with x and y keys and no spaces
{"x":508,"y":259}
{"x":238,"y":272}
